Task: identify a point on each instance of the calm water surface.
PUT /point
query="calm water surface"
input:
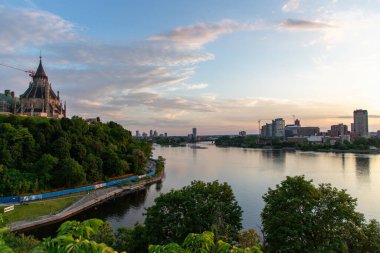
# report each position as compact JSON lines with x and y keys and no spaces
{"x":250,"y":172}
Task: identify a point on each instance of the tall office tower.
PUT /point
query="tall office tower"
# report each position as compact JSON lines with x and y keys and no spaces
{"x":361,"y":123}
{"x":278,"y":128}
{"x":195,"y":133}
{"x":137,"y":133}
{"x":150,"y":133}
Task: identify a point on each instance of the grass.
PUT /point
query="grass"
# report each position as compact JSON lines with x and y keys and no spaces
{"x":36,"y":209}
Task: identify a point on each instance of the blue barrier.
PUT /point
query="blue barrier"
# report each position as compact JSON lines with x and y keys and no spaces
{"x":20,"y":199}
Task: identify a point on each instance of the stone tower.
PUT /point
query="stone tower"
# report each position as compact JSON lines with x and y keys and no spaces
{"x":39,"y":99}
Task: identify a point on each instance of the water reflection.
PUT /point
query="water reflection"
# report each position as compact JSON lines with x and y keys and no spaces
{"x":362,"y":166}
{"x":276,"y":156}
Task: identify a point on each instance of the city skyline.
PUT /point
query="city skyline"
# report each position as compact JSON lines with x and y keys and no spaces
{"x":216,"y":65}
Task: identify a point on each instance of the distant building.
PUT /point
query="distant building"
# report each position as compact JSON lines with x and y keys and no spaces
{"x":166,"y":134}
{"x":361,"y":123}
{"x":8,"y":102}
{"x":242,"y":133}
{"x":137,"y":133}
{"x":338,"y":130}
{"x":297,"y":122}
{"x":155,"y":133}
{"x":315,"y":139}
{"x":195,"y":132}
{"x":308,"y":131}
{"x":150,"y":133}
{"x":291,"y":131}
{"x":278,"y":128}
{"x":93,"y":120}
{"x":266,"y":131}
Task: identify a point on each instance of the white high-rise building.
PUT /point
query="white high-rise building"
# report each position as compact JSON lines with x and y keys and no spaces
{"x":278,"y":128}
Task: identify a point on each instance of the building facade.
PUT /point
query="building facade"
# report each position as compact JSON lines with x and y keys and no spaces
{"x":338,"y":130}
{"x":38,"y":100}
{"x":278,"y":128}
{"x":360,"y":123}
{"x":8,"y":102}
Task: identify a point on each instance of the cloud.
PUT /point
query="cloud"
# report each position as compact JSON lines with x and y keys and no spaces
{"x":291,"y":5}
{"x":27,"y":27}
{"x":303,"y":25}
{"x":196,"y":36}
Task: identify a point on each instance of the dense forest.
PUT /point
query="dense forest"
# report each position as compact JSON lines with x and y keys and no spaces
{"x":39,"y":154}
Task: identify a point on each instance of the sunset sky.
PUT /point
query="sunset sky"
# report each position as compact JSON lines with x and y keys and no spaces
{"x":217,"y":65}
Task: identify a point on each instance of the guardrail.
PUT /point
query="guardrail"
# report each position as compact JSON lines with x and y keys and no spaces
{"x":22,"y":199}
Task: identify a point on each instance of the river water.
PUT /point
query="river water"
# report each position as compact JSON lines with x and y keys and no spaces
{"x":249,"y":172}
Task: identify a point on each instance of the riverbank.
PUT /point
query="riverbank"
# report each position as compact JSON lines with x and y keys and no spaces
{"x":89,"y":200}
{"x":332,"y":150}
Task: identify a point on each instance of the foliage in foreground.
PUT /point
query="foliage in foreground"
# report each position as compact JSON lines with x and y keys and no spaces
{"x":300,"y":217}
{"x":194,"y":209}
{"x":75,"y":237}
{"x":202,"y":243}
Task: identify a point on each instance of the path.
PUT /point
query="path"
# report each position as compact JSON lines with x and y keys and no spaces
{"x":91,"y":199}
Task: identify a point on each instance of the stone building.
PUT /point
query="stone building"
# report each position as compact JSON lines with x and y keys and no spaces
{"x":40,"y":99}
{"x":8,"y":102}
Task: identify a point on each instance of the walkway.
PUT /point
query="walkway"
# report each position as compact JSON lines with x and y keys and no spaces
{"x":91,"y":199}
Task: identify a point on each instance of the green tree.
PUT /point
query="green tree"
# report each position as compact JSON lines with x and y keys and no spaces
{"x":372,"y":233}
{"x":92,"y":165}
{"x":201,"y":243}
{"x":248,"y":238}
{"x":20,"y":243}
{"x":70,"y":173}
{"x":299,"y":217}
{"x":3,"y":247}
{"x":131,"y":239}
{"x":74,"y":237}
{"x":61,"y":148}
{"x":44,"y":168}
{"x":195,"y":208}
{"x":139,"y":161}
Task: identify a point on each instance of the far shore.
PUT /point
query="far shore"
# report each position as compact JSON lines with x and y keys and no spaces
{"x":353,"y":151}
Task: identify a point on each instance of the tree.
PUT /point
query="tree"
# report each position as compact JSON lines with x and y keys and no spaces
{"x":44,"y":168}
{"x":92,"y":165}
{"x":70,"y":173}
{"x":299,"y":217}
{"x":372,"y":233}
{"x":3,"y":247}
{"x":248,"y":238}
{"x":131,"y":239}
{"x":74,"y":237}
{"x":194,"y":209}
{"x":201,"y":243}
{"x":20,"y":243}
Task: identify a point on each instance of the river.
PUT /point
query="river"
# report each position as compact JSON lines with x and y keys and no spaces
{"x":249,"y":172}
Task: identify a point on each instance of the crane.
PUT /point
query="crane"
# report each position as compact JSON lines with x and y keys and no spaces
{"x":31,"y":72}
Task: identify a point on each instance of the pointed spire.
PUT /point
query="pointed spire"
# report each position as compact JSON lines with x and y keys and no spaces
{"x":40,"y":72}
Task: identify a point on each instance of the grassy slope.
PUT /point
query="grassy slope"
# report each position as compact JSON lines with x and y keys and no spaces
{"x":33,"y":210}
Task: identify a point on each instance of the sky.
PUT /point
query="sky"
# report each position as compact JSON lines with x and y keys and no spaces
{"x":217,"y":65}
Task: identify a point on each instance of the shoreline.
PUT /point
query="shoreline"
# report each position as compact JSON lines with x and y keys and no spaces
{"x":338,"y":151}
{"x":90,"y":200}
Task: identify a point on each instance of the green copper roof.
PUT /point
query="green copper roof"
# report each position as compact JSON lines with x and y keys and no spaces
{"x":9,"y":99}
